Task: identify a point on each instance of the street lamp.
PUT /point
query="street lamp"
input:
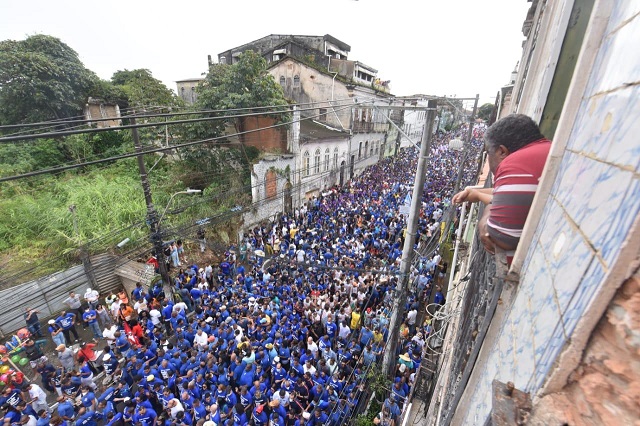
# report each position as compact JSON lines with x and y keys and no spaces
{"x":187,"y":191}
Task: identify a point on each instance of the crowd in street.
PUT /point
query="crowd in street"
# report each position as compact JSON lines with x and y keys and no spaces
{"x":284,"y":331}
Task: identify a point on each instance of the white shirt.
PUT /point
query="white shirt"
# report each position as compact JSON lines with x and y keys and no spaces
{"x":91,"y":296}
{"x":308,"y":368}
{"x":155,"y":316}
{"x":110,"y":333}
{"x":36,"y":392}
{"x":141,"y":305}
{"x":411,"y":317}
{"x":344,"y":331}
{"x":176,"y":408}
{"x":180,"y":306}
{"x":313,"y":347}
{"x":200,"y":339}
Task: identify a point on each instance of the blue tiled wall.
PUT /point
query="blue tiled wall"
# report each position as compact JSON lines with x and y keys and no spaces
{"x":594,"y":201}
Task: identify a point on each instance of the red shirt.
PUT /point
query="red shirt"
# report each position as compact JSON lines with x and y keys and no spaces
{"x":515,"y":185}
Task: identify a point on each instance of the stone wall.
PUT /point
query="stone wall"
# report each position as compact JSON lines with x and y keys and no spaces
{"x":605,"y":388}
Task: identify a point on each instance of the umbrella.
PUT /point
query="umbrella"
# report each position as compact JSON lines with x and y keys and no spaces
{"x":259,"y":253}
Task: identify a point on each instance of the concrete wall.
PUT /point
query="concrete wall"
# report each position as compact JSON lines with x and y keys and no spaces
{"x":314,"y":87}
{"x":264,"y":207}
{"x":187,"y":90}
{"x":586,"y":238}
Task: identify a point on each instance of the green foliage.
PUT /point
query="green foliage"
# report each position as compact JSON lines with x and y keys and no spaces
{"x":485,"y":111}
{"x":41,"y":78}
{"x":142,"y":90}
{"x":245,"y":84}
{"x":38,"y":225}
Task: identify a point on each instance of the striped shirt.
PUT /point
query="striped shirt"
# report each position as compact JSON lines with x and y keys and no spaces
{"x":516,"y":182}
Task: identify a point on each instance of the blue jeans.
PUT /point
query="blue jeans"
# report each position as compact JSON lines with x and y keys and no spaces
{"x":96,"y":329}
{"x":58,"y":339}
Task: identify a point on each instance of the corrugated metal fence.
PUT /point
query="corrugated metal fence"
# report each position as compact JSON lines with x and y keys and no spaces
{"x":47,"y":294}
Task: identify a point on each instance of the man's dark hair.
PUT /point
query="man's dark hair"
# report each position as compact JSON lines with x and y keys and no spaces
{"x":513,"y":131}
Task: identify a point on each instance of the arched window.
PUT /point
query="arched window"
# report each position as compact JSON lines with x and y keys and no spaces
{"x":371,"y":150}
{"x":327,"y":157}
{"x":377,"y":147}
{"x":366,"y":148}
{"x":360,"y":151}
{"x":316,"y":161}
{"x":282,"y":80}
{"x":305,"y":163}
{"x":296,"y":81}
{"x":335,"y":158}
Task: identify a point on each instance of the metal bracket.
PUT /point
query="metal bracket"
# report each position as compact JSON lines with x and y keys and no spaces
{"x":510,"y":405}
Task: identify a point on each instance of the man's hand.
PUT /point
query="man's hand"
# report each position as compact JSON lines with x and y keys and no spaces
{"x":461,"y":196}
{"x":473,"y":195}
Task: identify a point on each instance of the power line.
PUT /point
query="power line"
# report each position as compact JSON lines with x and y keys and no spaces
{"x":152,"y":150}
{"x":280,"y":109}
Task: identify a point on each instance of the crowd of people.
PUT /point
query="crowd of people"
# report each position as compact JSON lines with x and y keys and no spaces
{"x":283,"y":335}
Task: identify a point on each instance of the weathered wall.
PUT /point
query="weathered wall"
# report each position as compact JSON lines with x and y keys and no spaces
{"x":269,"y":139}
{"x":314,"y":86}
{"x":265,"y":207}
{"x":187,"y":90}
{"x":605,"y":388}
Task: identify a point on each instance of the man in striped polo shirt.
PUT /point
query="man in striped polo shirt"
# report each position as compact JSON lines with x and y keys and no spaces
{"x":517,"y":153}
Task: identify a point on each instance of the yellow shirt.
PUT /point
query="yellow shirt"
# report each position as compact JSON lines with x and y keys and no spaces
{"x":355,"y":320}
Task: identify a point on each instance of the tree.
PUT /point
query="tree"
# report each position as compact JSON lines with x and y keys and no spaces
{"x":41,"y":78}
{"x":484,"y":112}
{"x":143,"y":90}
{"x":245,"y":84}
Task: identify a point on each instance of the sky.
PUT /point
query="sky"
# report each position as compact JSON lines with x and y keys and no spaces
{"x":446,"y":48}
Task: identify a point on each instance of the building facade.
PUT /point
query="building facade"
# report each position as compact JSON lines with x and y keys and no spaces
{"x":187,"y":89}
{"x":560,"y":326}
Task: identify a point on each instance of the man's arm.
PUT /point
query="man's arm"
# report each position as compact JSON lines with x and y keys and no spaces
{"x":473,"y":195}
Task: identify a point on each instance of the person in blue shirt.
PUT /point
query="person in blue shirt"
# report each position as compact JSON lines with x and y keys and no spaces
{"x":66,"y":321}
{"x":90,"y":317}
{"x":199,"y":410}
{"x":122,"y":343}
{"x":113,"y":419}
{"x":145,"y":416}
{"x":184,"y":418}
{"x":247,"y":376}
{"x":88,"y":398}
{"x":88,"y":418}
{"x":65,"y":409}
{"x":43,"y":418}
{"x":259,"y":417}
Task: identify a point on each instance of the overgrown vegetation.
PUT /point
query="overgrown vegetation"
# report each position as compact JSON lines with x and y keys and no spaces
{"x":41,"y":78}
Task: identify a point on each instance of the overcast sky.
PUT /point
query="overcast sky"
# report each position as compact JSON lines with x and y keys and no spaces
{"x":444,"y":47}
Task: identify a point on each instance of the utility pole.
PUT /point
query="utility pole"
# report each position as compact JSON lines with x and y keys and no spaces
{"x":467,"y":146}
{"x":399,"y":302}
{"x":152,"y":216}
